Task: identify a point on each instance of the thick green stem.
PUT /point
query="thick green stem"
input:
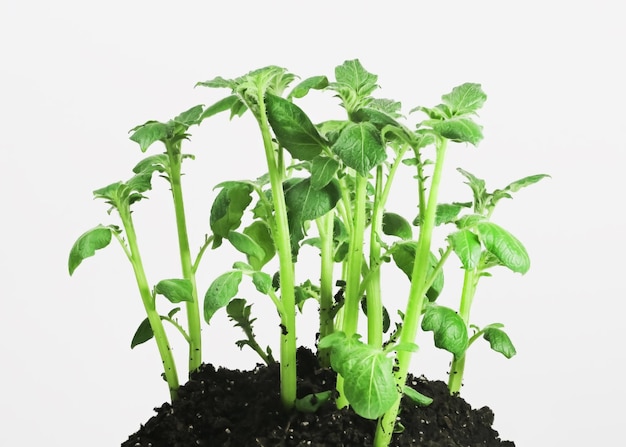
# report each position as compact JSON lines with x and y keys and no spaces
{"x":374,"y":299}
{"x":193,"y":310}
{"x":169,"y":366}
{"x":353,"y":272}
{"x":287,"y":275}
{"x":325,"y":228}
{"x":457,"y":369}
{"x":374,"y":293}
{"x":355,"y":259}
{"x":417,"y":295}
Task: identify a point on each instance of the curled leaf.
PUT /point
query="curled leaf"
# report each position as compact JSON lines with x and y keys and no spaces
{"x":142,"y":334}
{"x":175,"y":290}
{"x":220,"y":292}
{"x":499,"y":341}
{"x":449,"y":329}
{"x":87,"y":244}
{"x":504,"y":246}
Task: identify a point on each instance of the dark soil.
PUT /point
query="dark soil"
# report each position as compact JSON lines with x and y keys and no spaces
{"x":234,"y":408}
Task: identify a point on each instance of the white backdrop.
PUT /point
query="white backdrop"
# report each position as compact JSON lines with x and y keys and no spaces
{"x":76,"y":76}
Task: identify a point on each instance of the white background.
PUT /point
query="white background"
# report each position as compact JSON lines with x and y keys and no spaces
{"x":76,"y":76}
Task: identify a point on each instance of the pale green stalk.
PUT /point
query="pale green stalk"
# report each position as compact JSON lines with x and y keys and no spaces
{"x":169,"y":366}
{"x":353,"y":270}
{"x":373,"y":295}
{"x":325,"y":228}
{"x":417,"y":295}
{"x":457,"y":369}
{"x":193,"y":311}
{"x":287,"y":275}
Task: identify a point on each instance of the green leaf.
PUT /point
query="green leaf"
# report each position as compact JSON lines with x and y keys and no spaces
{"x":152,"y":163}
{"x":459,"y":129}
{"x":404,"y":257}
{"x":227,"y":209}
{"x":304,"y":292}
{"x":293,"y":128}
{"x":448,"y":212}
{"x":140,"y":183}
{"x":465,"y":99}
{"x":381,"y":120}
{"x":312,"y":402}
{"x":504,"y":246}
{"x":246,"y":245}
{"x":478,"y":189}
{"x":114,"y":194}
{"x":396,"y":225}
{"x":467,"y":247}
{"x":323,"y":170}
{"x":389,"y":107}
{"x":309,"y":203}
{"x":239,"y":311}
{"x":352,"y":74}
{"x":449,"y":329}
{"x":222,"y":105}
{"x":173,"y":312}
{"x":244,"y":267}
{"x":369,"y":384}
{"x":148,"y":133}
{"x":513,"y":187}
{"x":189,"y":117}
{"x":524,"y":182}
{"x":220,"y":292}
{"x":87,"y":244}
{"x":142,"y":334}
{"x":259,"y":232}
{"x":417,"y":397}
{"x":305,"y":203}
{"x":360,"y":147}
{"x":218,"y":82}
{"x":406,"y":347}
{"x":175,"y":290}
{"x":303,"y":88}
{"x":262,"y":281}
{"x":254,"y":84}
{"x":470,"y":220}
{"x":445,"y":213}
{"x":499,"y":342}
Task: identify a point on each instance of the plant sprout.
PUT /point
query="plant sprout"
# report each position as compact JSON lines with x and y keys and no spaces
{"x":326,"y":187}
{"x":121,"y":196}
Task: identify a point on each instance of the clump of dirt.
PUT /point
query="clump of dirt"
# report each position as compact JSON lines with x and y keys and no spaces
{"x":232,"y":408}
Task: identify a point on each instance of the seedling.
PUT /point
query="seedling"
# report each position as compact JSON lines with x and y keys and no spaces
{"x":121,"y":196}
{"x":480,"y":245}
{"x":338,"y":174}
{"x":326,"y":188}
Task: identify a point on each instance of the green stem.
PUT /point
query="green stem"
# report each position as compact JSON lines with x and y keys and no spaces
{"x":325,"y":228}
{"x":374,"y":294}
{"x":205,"y":245}
{"x":374,"y":299}
{"x":354,"y":268}
{"x":457,"y":369}
{"x":169,"y":366}
{"x":287,"y":281}
{"x":417,"y":295}
{"x":355,"y":259}
{"x":421,"y":189}
{"x":193,"y":311}
{"x":177,"y":326}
